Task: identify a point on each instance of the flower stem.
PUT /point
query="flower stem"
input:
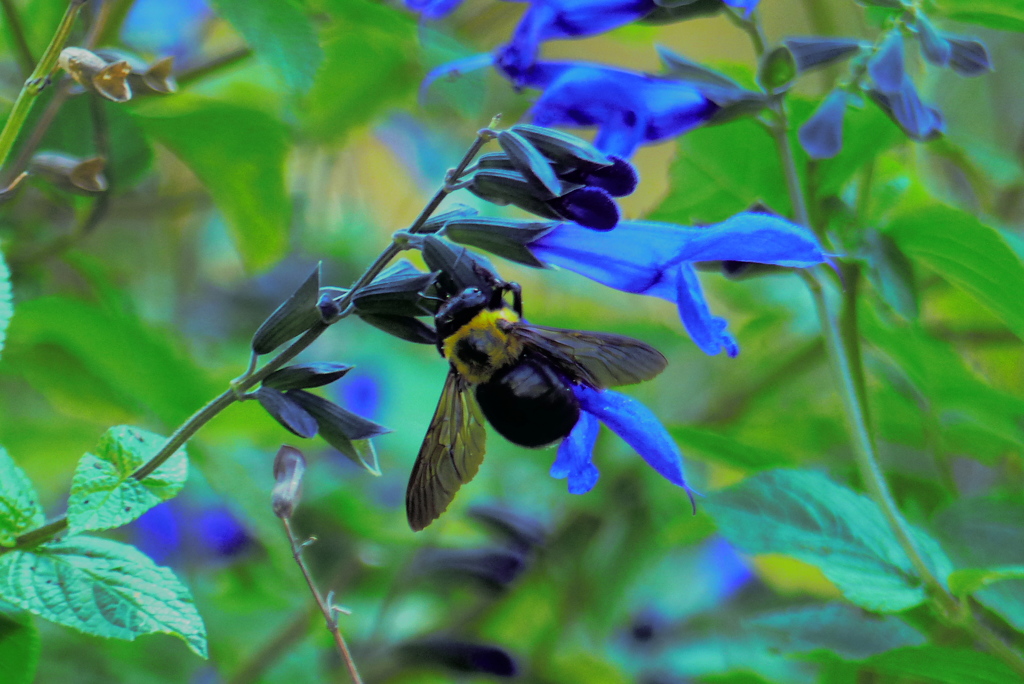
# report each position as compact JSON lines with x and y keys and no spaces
{"x":37,"y":81}
{"x":327,"y":610}
{"x":204,"y":415}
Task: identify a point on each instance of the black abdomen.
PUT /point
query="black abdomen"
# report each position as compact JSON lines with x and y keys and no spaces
{"x":529,"y":404}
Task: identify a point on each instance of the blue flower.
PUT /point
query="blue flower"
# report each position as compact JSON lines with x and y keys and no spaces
{"x":628,"y":108}
{"x":630,"y":420}
{"x":550,"y":19}
{"x":747,"y":5}
{"x":179,"y":530}
{"x":656,"y":259}
{"x":173,"y":28}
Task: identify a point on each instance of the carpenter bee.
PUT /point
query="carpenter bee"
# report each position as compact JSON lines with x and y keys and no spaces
{"x":518,"y":376}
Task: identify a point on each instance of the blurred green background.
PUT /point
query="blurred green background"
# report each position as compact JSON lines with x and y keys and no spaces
{"x":226,"y":194}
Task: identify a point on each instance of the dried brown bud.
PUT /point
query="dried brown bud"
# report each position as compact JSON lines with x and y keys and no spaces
{"x":289,"y":467}
{"x":92,"y":72}
{"x":70,"y":173}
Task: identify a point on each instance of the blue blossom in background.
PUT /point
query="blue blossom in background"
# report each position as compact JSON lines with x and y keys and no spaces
{"x":630,"y":420}
{"x":656,"y":259}
{"x":628,"y":108}
{"x":551,"y":19}
{"x":747,"y":6}
{"x":180,"y":531}
{"x":166,"y":28}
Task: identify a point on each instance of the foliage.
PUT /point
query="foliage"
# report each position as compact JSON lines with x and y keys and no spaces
{"x":840,"y":502}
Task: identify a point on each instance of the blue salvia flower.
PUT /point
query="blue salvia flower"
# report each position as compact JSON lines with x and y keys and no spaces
{"x":629,"y":419}
{"x":178,"y":530}
{"x":167,"y":28}
{"x":552,"y":19}
{"x":822,"y":135}
{"x":656,"y":259}
{"x":628,"y":108}
{"x":747,"y":5}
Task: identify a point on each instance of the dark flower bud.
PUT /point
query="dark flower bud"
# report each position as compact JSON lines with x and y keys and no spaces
{"x":510,"y":187}
{"x":561,"y":148}
{"x":82,"y":176}
{"x":507,"y":238}
{"x":294,"y":317}
{"x":495,"y":160}
{"x":458,"y":267}
{"x":519,"y":531}
{"x":493,"y":569}
{"x":886,"y":66}
{"x":405,"y":328}
{"x":328,"y":307}
{"x":918,"y":120}
{"x":618,"y":179}
{"x":530,"y":163}
{"x":777,"y":69}
{"x":459,"y":656}
{"x":436,"y":223}
{"x":289,"y":467}
{"x":968,"y":57}
{"x":155,"y":77}
{"x":812,"y":52}
{"x":305,"y":375}
{"x":590,"y":207}
{"x":822,"y":135}
{"x":287,"y":412}
{"x":397,"y":291}
{"x":934,"y":47}
{"x":92,"y":72}
{"x":341,"y":428}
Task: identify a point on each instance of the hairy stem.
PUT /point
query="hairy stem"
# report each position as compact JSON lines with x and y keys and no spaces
{"x":214,"y":407}
{"x":37,"y":80}
{"x":325,"y":608}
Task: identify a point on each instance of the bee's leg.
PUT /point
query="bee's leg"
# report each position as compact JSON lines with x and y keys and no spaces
{"x":517,"y":297}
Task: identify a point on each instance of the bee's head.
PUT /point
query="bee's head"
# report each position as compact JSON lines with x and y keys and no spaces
{"x":460,"y":310}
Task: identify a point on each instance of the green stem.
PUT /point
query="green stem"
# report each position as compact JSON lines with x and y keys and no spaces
{"x":21,"y":46}
{"x":230,"y":396}
{"x":37,"y":80}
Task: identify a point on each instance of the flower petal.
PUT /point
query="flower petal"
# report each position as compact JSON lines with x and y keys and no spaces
{"x":753,"y":236}
{"x":638,"y":427}
{"x":575,"y":454}
{"x":706,"y":329}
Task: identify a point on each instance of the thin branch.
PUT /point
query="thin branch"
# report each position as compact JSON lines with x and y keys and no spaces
{"x":198,"y":71}
{"x":327,"y":610}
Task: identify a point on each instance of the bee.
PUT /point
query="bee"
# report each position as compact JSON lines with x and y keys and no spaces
{"x":516,"y":375}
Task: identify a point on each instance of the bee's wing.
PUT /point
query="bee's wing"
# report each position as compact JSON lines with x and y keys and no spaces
{"x":450,"y":456}
{"x":595,"y":358}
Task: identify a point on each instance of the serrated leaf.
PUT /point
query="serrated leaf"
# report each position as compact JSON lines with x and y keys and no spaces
{"x":19,"y":504}
{"x":105,"y":495}
{"x":998,"y":14}
{"x":6,"y":301}
{"x":941,"y":665}
{"x":239,"y":154}
{"x":805,"y":515}
{"x":280,"y":33}
{"x":101,"y":587}
{"x":19,"y":648}
{"x":968,"y":581}
{"x":835,"y":627}
{"x":967,"y":253}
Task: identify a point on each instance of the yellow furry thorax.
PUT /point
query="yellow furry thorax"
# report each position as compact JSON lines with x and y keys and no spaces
{"x":482,"y":346}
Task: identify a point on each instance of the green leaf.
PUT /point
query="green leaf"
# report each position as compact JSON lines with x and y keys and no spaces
{"x":104,"y":494}
{"x":963,"y":582}
{"x":101,"y":587}
{"x":939,"y":665}
{"x":721,"y":448}
{"x":892,"y":274}
{"x":280,"y":33}
{"x":19,"y":648}
{"x":834,"y":627}
{"x":369,"y":65}
{"x":805,"y":515}
{"x":19,"y":504}
{"x":986,"y":533}
{"x":721,"y":170}
{"x":239,"y":154}
{"x":967,"y":253}
{"x":6,"y":300}
{"x":998,"y":14}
